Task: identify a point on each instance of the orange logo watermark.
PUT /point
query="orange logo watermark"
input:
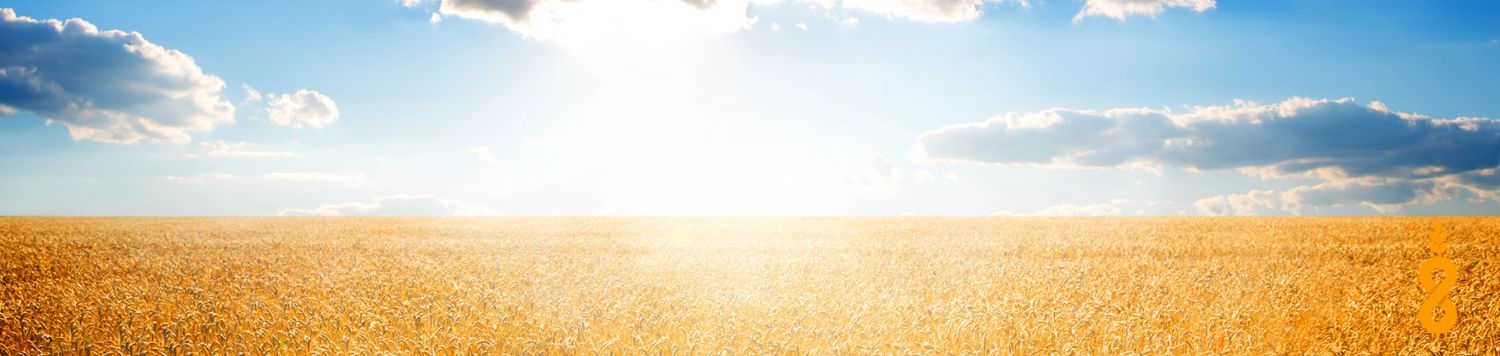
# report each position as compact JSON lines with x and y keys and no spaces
{"x":1437,"y":291}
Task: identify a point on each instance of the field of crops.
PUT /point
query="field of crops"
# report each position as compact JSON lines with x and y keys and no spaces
{"x":737,"y":285}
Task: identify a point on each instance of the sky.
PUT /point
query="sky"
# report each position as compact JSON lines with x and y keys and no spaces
{"x":750,"y":107}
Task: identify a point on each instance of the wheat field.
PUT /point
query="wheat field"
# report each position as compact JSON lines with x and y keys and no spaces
{"x":736,"y":285}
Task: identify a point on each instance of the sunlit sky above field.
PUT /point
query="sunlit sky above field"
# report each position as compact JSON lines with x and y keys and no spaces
{"x":729,"y":107}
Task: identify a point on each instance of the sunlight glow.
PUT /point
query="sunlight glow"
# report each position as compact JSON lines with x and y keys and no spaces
{"x":647,"y":128}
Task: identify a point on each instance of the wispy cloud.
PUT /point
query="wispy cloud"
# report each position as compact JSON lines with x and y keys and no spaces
{"x":583,"y":22}
{"x":1387,"y":196}
{"x":1101,"y":209}
{"x":577,"y":22}
{"x":483,"y":154}
{"x":925,"y":10}
{"x":1120,"y":9}
{"x":201,"y":178}
{"x":352,"y":180}
{"x":404,"y":205}
{"x":239,"y":149}
{"x":882,"y":173}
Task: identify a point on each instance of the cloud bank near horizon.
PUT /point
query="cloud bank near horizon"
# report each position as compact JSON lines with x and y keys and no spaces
{"x":1363,"y":154}
{"x":393,"y":205}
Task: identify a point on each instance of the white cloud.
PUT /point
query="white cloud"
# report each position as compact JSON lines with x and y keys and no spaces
{"x":1387,"y":197}
{"x":1252,"y":203}
{"x":1365,"y":154}
{"x":1101,"y":209}
{"x":483,"y":154}
{"x":882,"y":173}
{"x":589,"y":22}
{"x":1120,"y":9}
{"x":239,"y":149}
{"x":1297,"y":137}
{"x":304,"y":107}
{"x":105,"y":85}
{"x":435,"y":18}
{"x":586,"y":23}
{"x":953,"y":177}
{"x":352,"y":180}
{"x":251,"y":95}
{"x":924,"y":10}
{"x":394,"y":205}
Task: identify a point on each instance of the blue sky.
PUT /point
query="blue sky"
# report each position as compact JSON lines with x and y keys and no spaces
{"x":645,"y":107}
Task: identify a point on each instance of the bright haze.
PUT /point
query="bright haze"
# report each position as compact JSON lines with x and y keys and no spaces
{"x":750,"y":107}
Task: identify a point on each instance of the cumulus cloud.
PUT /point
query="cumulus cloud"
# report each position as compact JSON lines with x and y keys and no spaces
{"x":1120,"y":9}
{"x":393,"y":205}
{"x":302,"y":108}
{"x":104,"y":85}
{"x":1367,"y":154}
{"x":1293,"y":137}
{"x":352,"y":180}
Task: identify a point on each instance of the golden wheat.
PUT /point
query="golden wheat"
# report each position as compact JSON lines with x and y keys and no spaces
{"x":736,"y":285}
